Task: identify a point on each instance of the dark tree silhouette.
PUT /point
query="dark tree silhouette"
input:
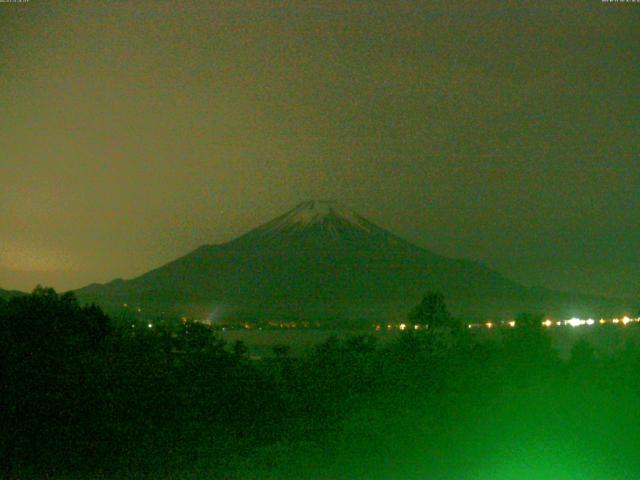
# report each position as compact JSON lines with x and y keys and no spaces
{"x":46,"y":319}
{"x":432,"y":311}
{"x":240,"y":349}
{"x":529,"y":320}
{"x":195,"y":336}
{"x":281,"y":351}
{"x":80,"y":398}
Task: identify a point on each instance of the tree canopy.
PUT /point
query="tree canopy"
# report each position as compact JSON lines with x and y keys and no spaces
{"x":432,"y":311}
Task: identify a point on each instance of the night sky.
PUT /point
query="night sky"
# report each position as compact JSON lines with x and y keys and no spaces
{"x":505,"y":132}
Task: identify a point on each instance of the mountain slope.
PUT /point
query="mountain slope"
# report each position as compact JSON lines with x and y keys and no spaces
{"x":7,"y":294}
{"x":322,"y":260}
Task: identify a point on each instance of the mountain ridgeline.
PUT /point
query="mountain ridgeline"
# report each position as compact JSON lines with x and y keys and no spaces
{"x":322,"y":261}
{"x":7,"y":294}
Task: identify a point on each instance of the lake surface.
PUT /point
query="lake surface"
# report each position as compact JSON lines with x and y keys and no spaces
{"x":606,"y":339}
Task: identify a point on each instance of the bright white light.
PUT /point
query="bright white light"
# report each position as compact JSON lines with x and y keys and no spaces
{"x":547,"y":323}
{"x":626,"y":320}
{"x":590,"y":321}
{"x":402,"y":326}
{"x":150,"y":325}
{"x":558,"y":323}
{"x":574,"y":322}
{"x":511,"y":323}
{"x":615,"y":320}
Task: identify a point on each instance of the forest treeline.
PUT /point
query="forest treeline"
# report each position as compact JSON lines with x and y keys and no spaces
{"x":86,"y":396}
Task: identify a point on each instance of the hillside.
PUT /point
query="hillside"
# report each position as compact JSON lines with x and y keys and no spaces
{"x":7,"y":294}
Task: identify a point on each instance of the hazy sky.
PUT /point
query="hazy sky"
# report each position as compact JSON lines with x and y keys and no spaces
{"x":506,"y":132}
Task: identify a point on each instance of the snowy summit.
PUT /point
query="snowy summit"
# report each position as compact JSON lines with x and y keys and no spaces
{"x":318,"y":211}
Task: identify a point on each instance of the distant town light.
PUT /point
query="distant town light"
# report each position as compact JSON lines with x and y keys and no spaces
{"x":150,"y":325}
{"x":547,"y":323}
{"x":402,"y":326}
{"x":489,"y":324}
{"x":575,"y":322}
{"x":590,"y":321}
{"x":626,"y":320}
{"x":511,"y":323}
{"x":602,"y":321}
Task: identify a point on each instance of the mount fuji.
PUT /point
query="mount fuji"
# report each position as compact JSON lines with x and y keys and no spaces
{"x":322,"y":260}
